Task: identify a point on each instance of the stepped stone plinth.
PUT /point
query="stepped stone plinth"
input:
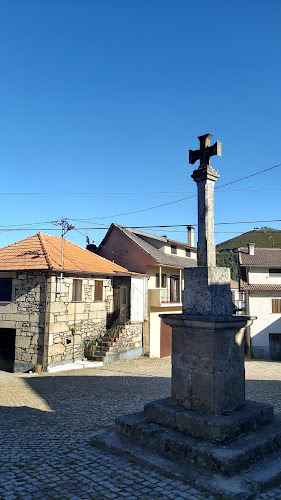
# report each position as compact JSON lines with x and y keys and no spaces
{"x":205,"y":433}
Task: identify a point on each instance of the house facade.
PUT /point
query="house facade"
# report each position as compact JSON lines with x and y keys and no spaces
{"x":48,"y":312}
{"x":163,"y":260}
{"x":260,"y":280}
{"x":238,"y":298}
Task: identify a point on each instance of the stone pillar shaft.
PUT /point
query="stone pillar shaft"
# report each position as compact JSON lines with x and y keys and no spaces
{"x":205,"y":179}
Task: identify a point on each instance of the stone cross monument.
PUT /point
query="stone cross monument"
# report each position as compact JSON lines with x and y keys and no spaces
{"x":205,"y":432}
{"x":207,"y":355}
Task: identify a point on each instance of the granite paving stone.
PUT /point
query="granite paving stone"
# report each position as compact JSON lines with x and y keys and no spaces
{"x":47,"y":421}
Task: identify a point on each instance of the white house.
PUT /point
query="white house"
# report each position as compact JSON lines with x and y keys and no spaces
{"x":260,"y":279}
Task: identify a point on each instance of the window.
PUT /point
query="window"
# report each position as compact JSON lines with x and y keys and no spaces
{"x":77,"y":291}
{"x":274,"y":272}
{"x":276,"y":305}
{"x":5,"y":289}
{"x":173,"y":249}
{"x":163,"y":280}
{"x":174,"y":289}
{"x":187,"y":253}
{"x":98,"y":290}
{"x":157,"y":280}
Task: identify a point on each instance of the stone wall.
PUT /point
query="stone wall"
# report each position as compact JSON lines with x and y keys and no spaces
{"x":70,"y":323}
{"x":129,"y":339}
{"x":25,"y":315}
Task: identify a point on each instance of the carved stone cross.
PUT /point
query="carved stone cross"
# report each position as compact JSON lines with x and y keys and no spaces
{"x":205,"y":152}
{"x":205,"y":177}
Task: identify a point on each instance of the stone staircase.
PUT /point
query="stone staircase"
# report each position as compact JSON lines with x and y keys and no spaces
{"x":114,"y":342}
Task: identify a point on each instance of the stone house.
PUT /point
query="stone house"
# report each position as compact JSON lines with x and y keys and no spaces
{"x":163,"y":260}
{"x":47,"y":312}
{"x":260,"y":280}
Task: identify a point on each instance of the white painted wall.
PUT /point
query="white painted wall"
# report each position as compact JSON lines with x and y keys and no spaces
{"x":138,"y":298}
{"x":151,"y":271}
{"x":260,"y":305}
{"x":181,"y":251}
{"x":260,"y":276}
{"x":154,"y":335}
{"x":155,"y":329}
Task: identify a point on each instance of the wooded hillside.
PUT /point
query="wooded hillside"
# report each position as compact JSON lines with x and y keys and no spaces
{"x":227,"y":252}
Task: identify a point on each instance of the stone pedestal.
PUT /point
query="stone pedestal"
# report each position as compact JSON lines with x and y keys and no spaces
{"x":211,"y":378}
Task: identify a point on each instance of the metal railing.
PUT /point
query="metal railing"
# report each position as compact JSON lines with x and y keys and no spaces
{"x":239,"y":306}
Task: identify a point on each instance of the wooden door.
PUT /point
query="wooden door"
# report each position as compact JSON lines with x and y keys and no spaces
{"x":165,"y":340}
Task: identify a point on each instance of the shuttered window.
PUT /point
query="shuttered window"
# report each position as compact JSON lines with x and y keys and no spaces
{"x":98,"y":290}
{"x":276,"y":305}
{"x":77,"y":291}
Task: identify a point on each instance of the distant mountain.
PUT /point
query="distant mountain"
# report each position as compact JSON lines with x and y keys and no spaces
{"x":266,"y":237}
{"x":227,"y":252}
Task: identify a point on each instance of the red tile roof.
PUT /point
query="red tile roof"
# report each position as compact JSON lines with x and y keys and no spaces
{"x":40,"y":251}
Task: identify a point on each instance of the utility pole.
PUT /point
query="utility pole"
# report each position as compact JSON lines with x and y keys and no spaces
{"x":65,"y":227}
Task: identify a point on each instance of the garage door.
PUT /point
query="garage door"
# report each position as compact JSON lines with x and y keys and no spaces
{"x":165,"y":340}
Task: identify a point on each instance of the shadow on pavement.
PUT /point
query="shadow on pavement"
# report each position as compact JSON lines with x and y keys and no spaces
{"x":93,"y":400}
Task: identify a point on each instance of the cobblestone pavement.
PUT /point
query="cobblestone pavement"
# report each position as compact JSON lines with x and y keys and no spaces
{"x":47,"y":421}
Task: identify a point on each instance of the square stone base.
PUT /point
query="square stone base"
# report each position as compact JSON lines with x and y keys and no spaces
{"x":208,"y":362}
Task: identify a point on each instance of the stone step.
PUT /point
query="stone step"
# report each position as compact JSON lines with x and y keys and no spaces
{"x":106,"y":348}
{"x":235,"y":487}
{"x":216,"y":457}
{"x":267,"y":474}
{"x":219,"y":428}
{"x":96,"y":358}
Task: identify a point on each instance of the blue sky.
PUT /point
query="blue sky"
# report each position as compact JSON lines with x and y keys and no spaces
{"x":108,"y":96}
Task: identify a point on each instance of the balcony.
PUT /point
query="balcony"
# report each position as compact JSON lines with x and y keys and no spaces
{"x":161,"y":297}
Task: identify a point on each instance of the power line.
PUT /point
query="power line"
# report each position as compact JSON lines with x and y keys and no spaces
{"x":145,"y":209}
{"x":91,"y":193}
{"x":102,"y":246}
{"x":30,"y":224}
{"x":120,"y":193}
{"x":156,"y":192}
{"x":9,"y":229}
{"x":177,"y":201}
{"x":249,"y":176}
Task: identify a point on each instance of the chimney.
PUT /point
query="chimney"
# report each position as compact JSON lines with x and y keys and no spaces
{"x":91,"y":247}
{"x":251,"y":248}
{"x":190,"y":236}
